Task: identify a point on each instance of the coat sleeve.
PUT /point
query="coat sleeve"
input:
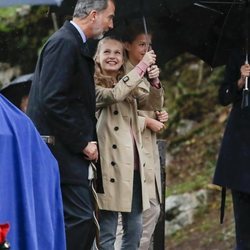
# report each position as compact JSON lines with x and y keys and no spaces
{"x":58,"y":68}
{"x":229,"y":92}
{"x":151,"y":101}
{"x":142,"y":122}
{"x":109,"y":96}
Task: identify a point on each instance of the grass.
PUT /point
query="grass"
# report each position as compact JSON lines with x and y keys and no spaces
{"x":206,"y":233}
{"x":200,"y":180}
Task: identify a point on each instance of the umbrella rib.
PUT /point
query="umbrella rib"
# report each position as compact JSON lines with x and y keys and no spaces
{"x":209,"y":8}
{"x":216,"y":2}
{"x":222,"y":30}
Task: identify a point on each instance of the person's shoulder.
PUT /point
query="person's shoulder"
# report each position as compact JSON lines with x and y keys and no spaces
{"x":63,"y":37}
{"x":66,"y":31}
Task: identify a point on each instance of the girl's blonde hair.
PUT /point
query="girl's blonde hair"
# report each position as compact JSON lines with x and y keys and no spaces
{"x":100,"y":78}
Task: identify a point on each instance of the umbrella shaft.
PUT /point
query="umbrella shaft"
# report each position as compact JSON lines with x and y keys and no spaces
{"x":246,"y":83}
{"x":146,"y":32}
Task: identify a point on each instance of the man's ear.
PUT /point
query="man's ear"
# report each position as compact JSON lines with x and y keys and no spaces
{"x":92,"y":15}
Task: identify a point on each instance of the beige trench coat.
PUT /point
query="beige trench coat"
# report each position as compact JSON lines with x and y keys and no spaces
{"x":152,"y":169}
{"x":152,"y":159}
{"x":116,"y":116}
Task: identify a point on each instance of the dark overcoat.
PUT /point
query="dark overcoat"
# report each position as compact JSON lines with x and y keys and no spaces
{"x":62,"y":101}
{"x":233,"y":165}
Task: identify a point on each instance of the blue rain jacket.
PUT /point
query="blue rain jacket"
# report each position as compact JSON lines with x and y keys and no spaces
{"x":30,"y":196}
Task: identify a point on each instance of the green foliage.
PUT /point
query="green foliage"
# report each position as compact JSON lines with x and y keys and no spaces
{"x":22,"y":33}
{"x":7,"y":15}
{"x":191,"y":89}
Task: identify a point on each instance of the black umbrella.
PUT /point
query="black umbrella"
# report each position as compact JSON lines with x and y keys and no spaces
{"x":151,"y":13}
{"x":208,"y":29}
{"x":124,"y":9}
{"x":17,"y":89}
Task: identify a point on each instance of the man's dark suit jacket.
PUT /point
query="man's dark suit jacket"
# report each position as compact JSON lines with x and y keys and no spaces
{"x":62,"y":101}
{"x":233,"y":166}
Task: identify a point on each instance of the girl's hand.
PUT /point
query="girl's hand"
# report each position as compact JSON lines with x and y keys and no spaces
{"x":162,"y":116}
{"x":153,"y":72}
{"x":154,"y":125}
{"x":149,"y":58}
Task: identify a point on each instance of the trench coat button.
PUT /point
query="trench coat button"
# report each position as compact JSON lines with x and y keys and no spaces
{"x":144,"y":180}
{"x":116,"y":128}
{"x":144,"y":164}
{"x":112,"y":180}
{"x":116,"y":112}
{"x":113,"y":163}
{"x":114,"y":146}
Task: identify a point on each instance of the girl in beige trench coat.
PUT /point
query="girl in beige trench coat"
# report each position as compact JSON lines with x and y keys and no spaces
{"x":119,"y":139}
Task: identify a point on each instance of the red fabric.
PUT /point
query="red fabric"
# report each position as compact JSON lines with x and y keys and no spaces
{"x":4,"y":229}
{"x":155,"y":83}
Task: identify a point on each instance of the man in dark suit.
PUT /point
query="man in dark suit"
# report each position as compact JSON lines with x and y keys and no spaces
{"x":62,"y":106}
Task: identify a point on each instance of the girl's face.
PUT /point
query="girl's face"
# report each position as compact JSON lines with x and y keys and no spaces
{"x":111,"y":57}
{"x":138,"y":48}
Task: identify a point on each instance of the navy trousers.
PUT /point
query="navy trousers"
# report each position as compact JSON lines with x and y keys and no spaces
{"x":78,"y":217}
{"x":241,"y":203}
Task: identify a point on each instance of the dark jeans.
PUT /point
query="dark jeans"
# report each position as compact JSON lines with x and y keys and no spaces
{"x":78,"y":216}
{"x":132,"y":222}
{"x":241,"y":203}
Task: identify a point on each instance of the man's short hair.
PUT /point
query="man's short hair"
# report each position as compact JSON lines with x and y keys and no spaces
{"x":84,"y":7}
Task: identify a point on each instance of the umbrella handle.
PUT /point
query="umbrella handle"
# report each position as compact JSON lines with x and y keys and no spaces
{"x":246,"y":79}
{"x":246,"y":83}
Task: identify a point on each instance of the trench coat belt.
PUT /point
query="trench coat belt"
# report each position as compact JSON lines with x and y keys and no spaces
{"x":49,"y":139}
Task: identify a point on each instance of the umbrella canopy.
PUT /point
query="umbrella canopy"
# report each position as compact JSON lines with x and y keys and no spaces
{"x":18,"y":88}
{"x":208,"y":29}
{"x":124,"y":9}
{"x":7,"y":3}
{"x":158,"y":15}
{"x":153,"y":12}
